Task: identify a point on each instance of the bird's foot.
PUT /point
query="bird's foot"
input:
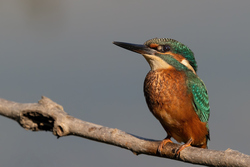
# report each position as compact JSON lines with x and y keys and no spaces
{"x":188,"y":144}
{"x":163,"y":143}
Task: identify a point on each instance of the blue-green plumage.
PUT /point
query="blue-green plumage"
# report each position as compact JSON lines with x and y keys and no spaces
{"x":200,"y":98}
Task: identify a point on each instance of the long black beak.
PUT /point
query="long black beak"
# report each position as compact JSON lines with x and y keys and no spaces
{"x":142,"y":49}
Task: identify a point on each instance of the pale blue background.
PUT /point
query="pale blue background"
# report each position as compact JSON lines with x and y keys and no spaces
{"x":63,"y":50}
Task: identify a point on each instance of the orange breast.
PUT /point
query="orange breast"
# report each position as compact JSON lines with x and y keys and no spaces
{"x":171,"y":103}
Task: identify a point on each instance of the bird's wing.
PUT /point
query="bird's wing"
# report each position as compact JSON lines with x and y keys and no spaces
{"x":200,"y":99}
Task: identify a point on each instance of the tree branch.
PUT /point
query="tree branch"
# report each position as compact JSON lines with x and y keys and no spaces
{"x":47,"y":115}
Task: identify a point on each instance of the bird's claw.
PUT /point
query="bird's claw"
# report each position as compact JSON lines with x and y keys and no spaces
{"x":162,"y":144}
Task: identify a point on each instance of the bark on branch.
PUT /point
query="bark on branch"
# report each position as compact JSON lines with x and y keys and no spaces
{"x":47,"y":115}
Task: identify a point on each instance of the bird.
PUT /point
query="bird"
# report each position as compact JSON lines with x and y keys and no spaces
{"x":174,"y":93}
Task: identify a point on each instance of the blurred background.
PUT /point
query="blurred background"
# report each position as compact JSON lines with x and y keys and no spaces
{"x":63,"y":50}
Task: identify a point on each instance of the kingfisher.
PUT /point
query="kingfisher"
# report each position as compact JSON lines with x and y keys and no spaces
{"x":174,"y":93}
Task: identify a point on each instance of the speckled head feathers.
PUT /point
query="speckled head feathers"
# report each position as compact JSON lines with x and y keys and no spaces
{"x":176,"y":47}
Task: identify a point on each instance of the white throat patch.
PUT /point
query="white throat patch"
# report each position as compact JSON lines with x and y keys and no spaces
{"x":156,"y":62}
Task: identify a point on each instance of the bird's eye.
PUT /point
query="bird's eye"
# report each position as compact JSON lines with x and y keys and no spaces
{"x":163,"y":48}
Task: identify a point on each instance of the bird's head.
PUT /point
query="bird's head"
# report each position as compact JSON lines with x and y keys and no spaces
{"x":164,"y":53}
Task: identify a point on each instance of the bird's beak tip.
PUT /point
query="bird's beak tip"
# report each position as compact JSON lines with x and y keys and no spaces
{"x":116,"y":43}
{"x":138,"y":48}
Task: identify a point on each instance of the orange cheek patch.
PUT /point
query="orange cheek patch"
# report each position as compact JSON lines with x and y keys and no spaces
{"x":176,"y":56}
{"x":153,"y":45}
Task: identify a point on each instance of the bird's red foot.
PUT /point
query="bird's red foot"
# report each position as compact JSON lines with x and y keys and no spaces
{"x":188,"y":144}
{"x":163,"y":143}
